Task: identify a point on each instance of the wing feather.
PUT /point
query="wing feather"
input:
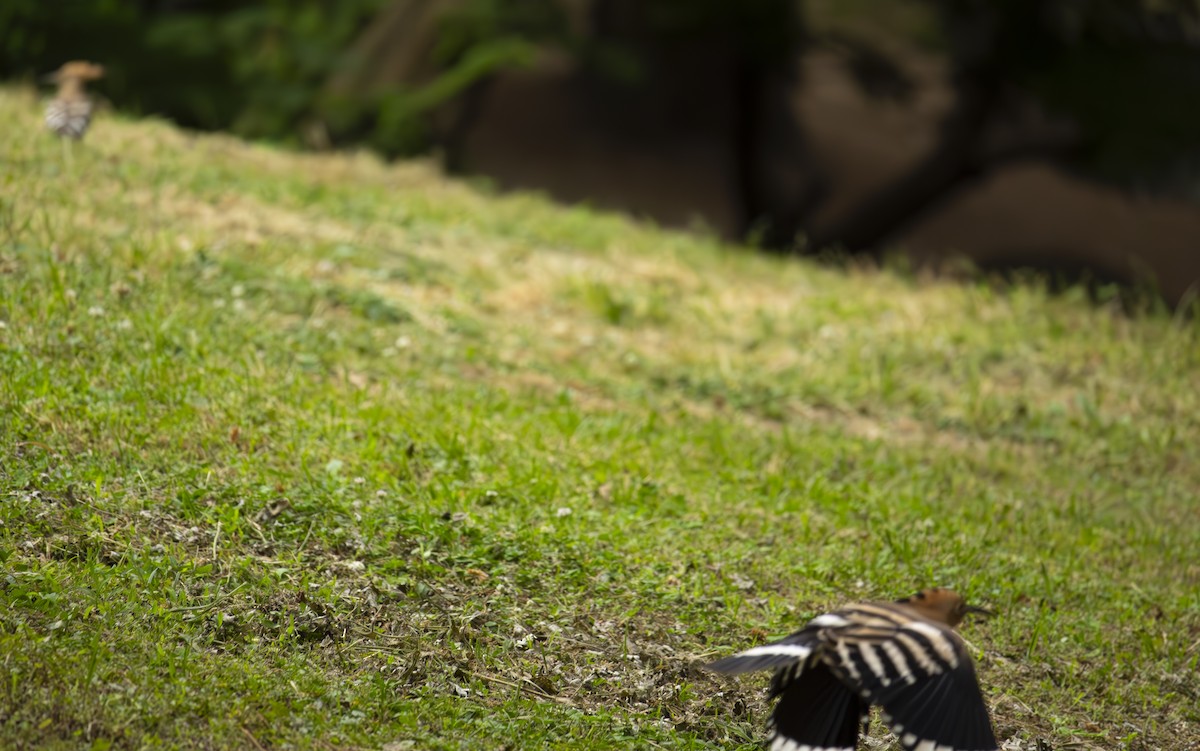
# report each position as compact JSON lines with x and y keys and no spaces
{"x":922,"y":676}
{"x":817,"y":713}
{"x":793,"y":650}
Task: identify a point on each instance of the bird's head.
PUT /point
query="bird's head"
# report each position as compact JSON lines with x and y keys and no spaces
{"x":77,"y":70}
{"x":942,"y":605}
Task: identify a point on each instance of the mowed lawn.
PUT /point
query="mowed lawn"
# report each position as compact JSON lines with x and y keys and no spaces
{"x":308,"y":451}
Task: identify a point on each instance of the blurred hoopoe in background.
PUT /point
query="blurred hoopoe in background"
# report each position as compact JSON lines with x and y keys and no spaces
{"x":903,"y":656}
{"x":70,"y":112}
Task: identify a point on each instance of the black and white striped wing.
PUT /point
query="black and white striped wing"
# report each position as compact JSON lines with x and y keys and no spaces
{"x":789,"y":652}
{"x":815,"y":711}
{"x":69,"y":118}
{"x":922,"y":676}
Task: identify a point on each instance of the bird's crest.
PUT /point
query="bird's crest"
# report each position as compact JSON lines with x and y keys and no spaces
{"x":942,"y":605}
{"x":79,"y":70}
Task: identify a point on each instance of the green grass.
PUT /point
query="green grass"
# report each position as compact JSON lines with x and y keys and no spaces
{"x":311,"y":451}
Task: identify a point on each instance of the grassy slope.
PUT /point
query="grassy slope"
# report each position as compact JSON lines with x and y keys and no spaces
{"x":313,"y":451}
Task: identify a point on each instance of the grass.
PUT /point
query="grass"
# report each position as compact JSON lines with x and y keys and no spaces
{"x":316,"y":452}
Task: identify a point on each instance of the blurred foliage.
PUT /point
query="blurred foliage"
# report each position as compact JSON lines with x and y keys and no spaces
{"x":1132,"y":76}
{"x":258,"y":69}
{"x":261,"y":69}
{"x":1127,"y":71}
{"x":275,"y":55}
{"x":254,"y":68}
{"x":766,"y":31}
{"x":475,"y":39}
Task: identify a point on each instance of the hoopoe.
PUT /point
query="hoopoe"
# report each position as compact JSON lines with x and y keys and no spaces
{"x":70,"y":112}
{"x":902,"y":655}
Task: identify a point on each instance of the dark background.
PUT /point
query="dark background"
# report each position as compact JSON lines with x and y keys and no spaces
{"x":1061,"y":134}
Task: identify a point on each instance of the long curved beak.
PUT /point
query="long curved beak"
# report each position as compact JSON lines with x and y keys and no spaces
{"x":976,"y":610}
